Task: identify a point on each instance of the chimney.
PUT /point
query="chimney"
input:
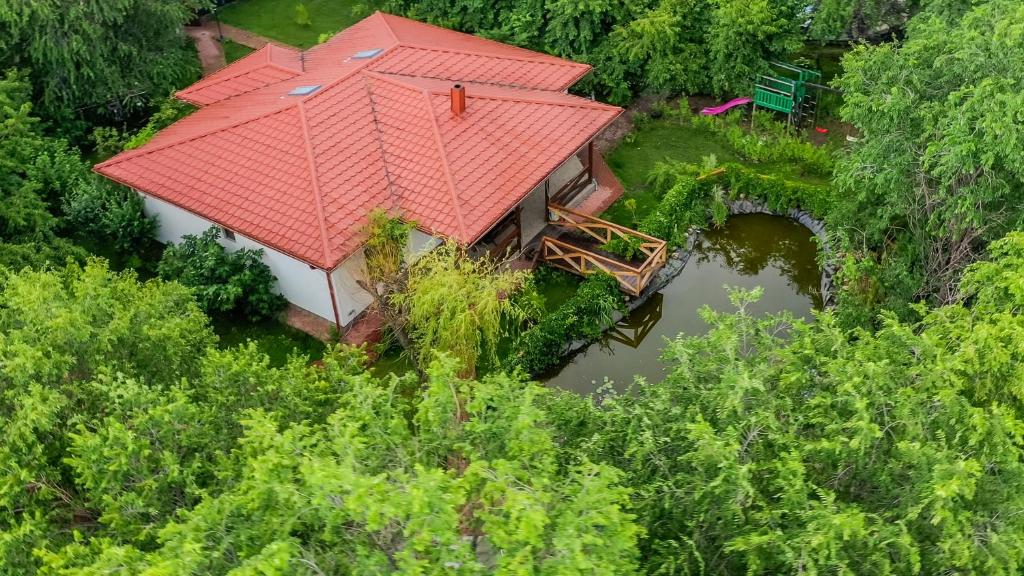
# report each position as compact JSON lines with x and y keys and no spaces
{"x":458,"y":99}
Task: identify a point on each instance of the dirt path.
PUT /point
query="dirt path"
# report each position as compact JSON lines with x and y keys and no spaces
{"x":211,"y":53}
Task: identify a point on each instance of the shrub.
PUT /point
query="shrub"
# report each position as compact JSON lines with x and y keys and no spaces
{"x":768,"y":141}
{"x":302,"y":15}
{"x":170,"y":111}
{"x":223,"y":281}
{"x":689,"y":199}
{"x":102,"y":209}
{"x":628,"y":247}
{"x":582,"y":317}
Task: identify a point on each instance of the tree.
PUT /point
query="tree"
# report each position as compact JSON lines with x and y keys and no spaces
{"x":860,"y":19}
{"x":103,"y":58}
{"x":744,"y":35}
{"x":937,"y":172}
{"x":63,"y":335}
{"x":662,"y":45}
{"x":368,"y":492}
{"x":223,"y":282}
{"x":132,"y":445}
{"x":462,"y":305}
{"x":31,"y":180}
{"x":827,"y":450}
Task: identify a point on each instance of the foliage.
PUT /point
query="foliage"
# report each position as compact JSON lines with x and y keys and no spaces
{"x":35,"y":172}
{"x":657,"y":45}
{"x":104,"y":59}
{"x":302,"y":15}
{"x":768,"y":141}
{"x":462,"y":305}
{"x":385,"y":250}
{"x":746,"y":34}
{"x":825,"y":450}
{"x":937,"y":172}
{"x":222,"y":281}
{"x":629,"y":247}
{"x":62,"y":334}
{"x":369,"y":491}
{"x":690,"y":197}
{"x":996,"y":284}
{"x":169,"y":110}
{"x":859,"y":19}
{"x":133,"y":446}
{"x":583,"y":317}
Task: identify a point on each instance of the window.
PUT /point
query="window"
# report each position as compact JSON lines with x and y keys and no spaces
{"x":228,"y":234}
{"x":304,"y":90}
{"x":364,"y":54}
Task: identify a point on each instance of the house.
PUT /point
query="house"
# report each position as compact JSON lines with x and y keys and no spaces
{"x":289,"y":151}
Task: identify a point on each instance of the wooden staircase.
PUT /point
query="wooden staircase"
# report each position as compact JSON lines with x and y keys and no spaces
{"x":575,"y":245}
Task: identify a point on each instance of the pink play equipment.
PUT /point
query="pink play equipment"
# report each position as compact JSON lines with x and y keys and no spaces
{"x":716,"y":110}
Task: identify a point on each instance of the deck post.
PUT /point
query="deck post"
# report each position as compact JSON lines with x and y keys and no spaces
{"x":519,"y":228}
{"x":590,"y":161}
{"x":547,"y":187}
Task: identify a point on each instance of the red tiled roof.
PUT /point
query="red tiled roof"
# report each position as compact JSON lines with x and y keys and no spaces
{"x":301,"y":173}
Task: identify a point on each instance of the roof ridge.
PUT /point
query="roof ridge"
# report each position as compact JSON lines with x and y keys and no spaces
{"x":582,"y":102}
{"x":315,"y":181}
{"x":474,"y":36}
{"x":444,"y":164}
{"x":553,"y":60}
{"x":130,"y":154}
{"x":380,"y":145}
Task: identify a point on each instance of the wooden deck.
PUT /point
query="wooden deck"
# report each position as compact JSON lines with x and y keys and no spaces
{"x":575,"y":242}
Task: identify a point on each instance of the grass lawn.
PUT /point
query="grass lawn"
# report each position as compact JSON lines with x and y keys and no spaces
{"x":667,"y":139}
{"x":275,"y":19}
{"x":234,"y":51}
{"x":274,"y":338}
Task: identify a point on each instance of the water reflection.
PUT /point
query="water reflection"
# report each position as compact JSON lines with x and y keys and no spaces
{"x":752,"y":250}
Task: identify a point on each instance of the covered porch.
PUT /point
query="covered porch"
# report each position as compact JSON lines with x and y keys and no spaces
{"x":557,"y":223}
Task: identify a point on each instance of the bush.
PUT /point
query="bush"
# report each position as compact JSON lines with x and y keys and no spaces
{"x":223,"y":281}
{"x":582,"y":317}
{"x":302,"y":15}
{"x":100,"y":209}
{"x":169,"y":111}
{"x":628,"y":247}
{"x":768,"y":141}
{"x":690,"y":199}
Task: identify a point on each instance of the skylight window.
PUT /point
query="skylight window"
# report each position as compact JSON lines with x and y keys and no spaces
{"x":304,"y":90}
{"x":367,"y":53}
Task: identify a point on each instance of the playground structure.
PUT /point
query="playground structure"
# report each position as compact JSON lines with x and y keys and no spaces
{"x":795,"y":92}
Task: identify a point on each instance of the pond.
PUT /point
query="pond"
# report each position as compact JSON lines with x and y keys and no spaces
{"x":753,"y":250}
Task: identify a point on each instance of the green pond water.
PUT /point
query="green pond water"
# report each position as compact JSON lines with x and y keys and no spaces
{"x":773,"y":252}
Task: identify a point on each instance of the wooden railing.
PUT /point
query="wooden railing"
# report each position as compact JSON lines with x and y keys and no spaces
{"x":577,"y":258}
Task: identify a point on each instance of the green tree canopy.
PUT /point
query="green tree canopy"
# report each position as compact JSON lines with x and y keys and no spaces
{"x":100,"y":57}
{"x":939,"y":168}
{"x":662,"y":45}
{"x":131,"y":445}
{"x":34,"y":173}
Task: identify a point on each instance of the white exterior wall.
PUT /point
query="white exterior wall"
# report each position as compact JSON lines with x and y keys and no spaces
{"x":302,"y":285}
{"x":351,"y":298}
